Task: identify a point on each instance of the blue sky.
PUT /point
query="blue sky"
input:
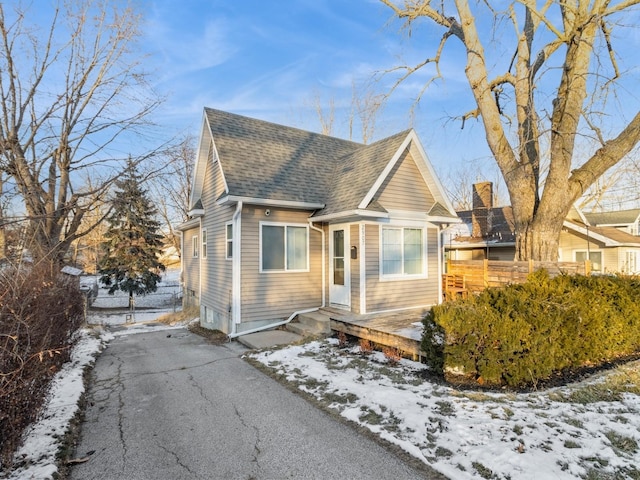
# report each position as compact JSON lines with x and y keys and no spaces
{"x":269,"y":59}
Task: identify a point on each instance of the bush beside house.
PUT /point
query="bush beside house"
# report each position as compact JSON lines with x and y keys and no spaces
{"x":522,"y":334}
{"x":39,"y":311}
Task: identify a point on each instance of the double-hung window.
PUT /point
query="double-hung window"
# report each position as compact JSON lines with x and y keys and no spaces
{"x":402,"y":252}
{"x":284,"y":247}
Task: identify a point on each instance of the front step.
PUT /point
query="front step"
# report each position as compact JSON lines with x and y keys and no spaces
{"x":312,"y":324}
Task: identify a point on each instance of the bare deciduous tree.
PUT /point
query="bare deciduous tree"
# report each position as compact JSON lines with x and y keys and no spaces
{"x":171,"y":187}
{"x":67,"y":92}
{"x":553,"y":43}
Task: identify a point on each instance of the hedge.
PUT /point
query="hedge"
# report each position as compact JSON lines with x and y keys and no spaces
{"x":521,"y":334}
{"x":39,"y":311}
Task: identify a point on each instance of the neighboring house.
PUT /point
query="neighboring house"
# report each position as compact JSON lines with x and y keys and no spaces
{"x":627,"y":221}
{"x":488,"y":232}
{"x":285,"y":220}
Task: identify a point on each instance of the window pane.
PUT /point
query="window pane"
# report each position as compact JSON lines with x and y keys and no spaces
{"x":412,"y":251}
{"x":581,"y":256}
{"x":229,"y":241}
{"x":596,"y":261}
{"x":391,"y":251}
{"x":272,"y":248}
{"x":296,"y":248}
{"x":338,"y":243}
{"x":338,"y":271}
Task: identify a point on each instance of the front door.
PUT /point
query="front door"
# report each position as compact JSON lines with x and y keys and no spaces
{"x":339,"y":266}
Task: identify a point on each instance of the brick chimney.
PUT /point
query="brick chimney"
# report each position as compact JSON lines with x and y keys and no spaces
{"x":482,"y":209}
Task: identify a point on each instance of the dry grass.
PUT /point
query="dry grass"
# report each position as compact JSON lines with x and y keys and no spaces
{"x":181,"y":316}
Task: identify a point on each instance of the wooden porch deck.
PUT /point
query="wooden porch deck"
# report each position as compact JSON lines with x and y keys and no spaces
{"x":402,"y":330}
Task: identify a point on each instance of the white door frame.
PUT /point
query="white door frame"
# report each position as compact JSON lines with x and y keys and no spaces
{"x":340,"y":295}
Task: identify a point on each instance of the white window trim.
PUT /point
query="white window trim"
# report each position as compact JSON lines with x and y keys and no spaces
{"x":195,"y":246}
{"x":203,"y":248}
{"x":285,"y":225}
{"x":228,"y":240}
{"x":403,"y":276}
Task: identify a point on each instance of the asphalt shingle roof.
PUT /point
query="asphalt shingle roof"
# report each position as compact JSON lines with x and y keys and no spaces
{"x":621,"y":217}
{"x":264,"y":160}
{"x":270,"y":161}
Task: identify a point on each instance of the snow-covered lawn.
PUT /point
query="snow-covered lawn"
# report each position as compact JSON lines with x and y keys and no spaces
{"x":558,"y":433}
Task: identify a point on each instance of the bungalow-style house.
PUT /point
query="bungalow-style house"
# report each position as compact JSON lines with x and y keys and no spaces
{"x":609,"y":239}
{"x":285,"y":221}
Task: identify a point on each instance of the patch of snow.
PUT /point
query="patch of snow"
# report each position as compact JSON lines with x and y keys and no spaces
{"x":466,"y":434}
{"x":42,"y":439}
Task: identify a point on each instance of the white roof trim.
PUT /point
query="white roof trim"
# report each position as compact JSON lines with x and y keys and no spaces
{"x":608,"y":242}
{"x":230,"y":199}
{"x":189,"y":224}
{"x":205,"y":143}
{"x":349,"y":213}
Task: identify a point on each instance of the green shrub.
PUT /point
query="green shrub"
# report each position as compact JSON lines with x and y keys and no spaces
{"x":524,"y":333}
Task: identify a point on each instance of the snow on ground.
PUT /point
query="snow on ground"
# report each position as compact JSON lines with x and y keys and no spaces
{"x":469,"y":434}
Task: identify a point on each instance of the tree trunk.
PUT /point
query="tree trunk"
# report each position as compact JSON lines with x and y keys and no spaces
{"x":538,"y":240}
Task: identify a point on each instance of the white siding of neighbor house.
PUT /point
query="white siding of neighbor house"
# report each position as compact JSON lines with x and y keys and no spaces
{"x":612,"y":261}
{"x":399,"y":294}
{"x":276,"y":295}
{"x":216,"y":274}
{"x":404,"y":188}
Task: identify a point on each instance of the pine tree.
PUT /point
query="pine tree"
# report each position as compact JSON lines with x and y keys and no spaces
{"x":132,"y":245}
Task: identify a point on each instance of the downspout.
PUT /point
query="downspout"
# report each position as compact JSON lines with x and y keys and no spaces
{"x":236,"y":270}
{"x":200,"y":267}
{"x":235,"y":333}
{"x":272,"y":325}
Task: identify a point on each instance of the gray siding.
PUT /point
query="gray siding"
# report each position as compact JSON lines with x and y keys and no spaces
{"x":404,"y":188}
{"x":216,"y":275}
{"x":276,"y":295}
{"x":398,"y":294}
{"x":190,"y":269}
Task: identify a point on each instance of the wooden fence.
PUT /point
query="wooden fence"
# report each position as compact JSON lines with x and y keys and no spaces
{"x":464,"y":276}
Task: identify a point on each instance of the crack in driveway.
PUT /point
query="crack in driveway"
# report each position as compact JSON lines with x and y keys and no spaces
{"x":256,"y":448}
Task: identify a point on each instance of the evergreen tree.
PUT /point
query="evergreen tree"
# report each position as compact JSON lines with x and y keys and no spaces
{"x":132,"y":245}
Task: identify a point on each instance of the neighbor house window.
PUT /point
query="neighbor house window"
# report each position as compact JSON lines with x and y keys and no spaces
{"x":195,"y":246}
{"x":284,"y":247}
{"x":204,"y":243}
{"x":594,"y":256}
{"x":632,"y":264}
{"x":229,"y":240}
{"x":402,"y":252}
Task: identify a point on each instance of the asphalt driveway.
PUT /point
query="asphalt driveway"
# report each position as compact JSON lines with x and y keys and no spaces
{"x":169,"y":405}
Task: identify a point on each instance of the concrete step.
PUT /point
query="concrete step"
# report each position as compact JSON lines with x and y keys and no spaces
{"x":310,"y":325}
